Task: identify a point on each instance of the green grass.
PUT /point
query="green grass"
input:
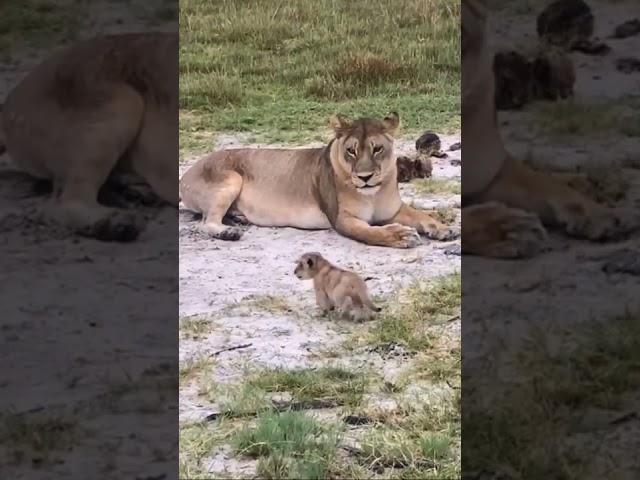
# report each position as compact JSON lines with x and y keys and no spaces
{"x":326,"y":383}
{"x":415,"y":309}
{"x":289,"y":445}
{"x":589,"y":119}
{"x":594,"y":372}
{"x":36,"y":437}
{"x":279,"y":69}
{"x":421,"y":437}
{"x":194,"y":367}
{"x":195,"y":326}
{"x":430,"y":186}
{"x":35,"y":23}
{"x":197,"y":442}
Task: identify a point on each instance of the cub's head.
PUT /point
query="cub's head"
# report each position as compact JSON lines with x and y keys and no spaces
{"x":364,"y":151}
{"x":307,"y":265}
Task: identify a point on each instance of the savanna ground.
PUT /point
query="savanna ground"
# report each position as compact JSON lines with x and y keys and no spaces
{"x":304,"y":396}
{"x":75,"y":407}
{"x":551,"y":344}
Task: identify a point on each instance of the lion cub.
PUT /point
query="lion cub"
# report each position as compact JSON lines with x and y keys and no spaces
{"x":336,"y":288}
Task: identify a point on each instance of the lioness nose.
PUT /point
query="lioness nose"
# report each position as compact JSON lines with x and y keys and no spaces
{"x":365,"y":178}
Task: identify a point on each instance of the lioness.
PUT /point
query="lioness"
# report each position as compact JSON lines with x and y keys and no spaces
{"x":505,"y":203}
{"x":104,"y":106}
{"x":350,"y":185}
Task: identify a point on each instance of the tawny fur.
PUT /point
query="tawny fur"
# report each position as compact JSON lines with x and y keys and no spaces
{"x":103,"y":105}
{"x":505,"y":202}
{"x":336,"y":288}
{"x":350,"y":185}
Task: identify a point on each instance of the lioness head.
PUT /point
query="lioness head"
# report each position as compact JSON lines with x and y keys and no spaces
{"x":307,"y":265}
{"x":364,"y":150}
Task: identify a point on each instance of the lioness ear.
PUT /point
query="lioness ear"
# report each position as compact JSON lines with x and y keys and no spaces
{"x":339,"y":124}
{"x":392,"y":123}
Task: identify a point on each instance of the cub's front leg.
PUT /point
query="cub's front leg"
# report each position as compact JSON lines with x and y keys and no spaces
{"x":323,"y":301}
{"x":424,"y":223}
{"x":393,"y":235}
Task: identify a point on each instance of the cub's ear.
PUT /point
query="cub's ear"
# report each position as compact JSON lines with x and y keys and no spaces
{"x":392,"y":123}
{"x":339,"y":124}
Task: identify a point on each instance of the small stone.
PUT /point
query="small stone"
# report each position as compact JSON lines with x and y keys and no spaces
{"x":628,"y":65}
{"x":627,"y":29}
{"x":456,"y":146}
{"x":428,"y":144}
{"x":513,"y":77}
{"x":589,"y":47}
{"x":625,"y":261}
{"x":565,"y":22}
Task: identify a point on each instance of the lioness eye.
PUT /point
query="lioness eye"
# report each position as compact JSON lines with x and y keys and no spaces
{"x":377,"y":149}
{"x":351,"y":151}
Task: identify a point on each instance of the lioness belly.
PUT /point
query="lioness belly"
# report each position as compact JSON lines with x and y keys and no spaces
{"x":273,"y":210}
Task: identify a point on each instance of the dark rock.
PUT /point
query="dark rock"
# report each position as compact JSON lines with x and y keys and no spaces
{"x":512,"y":72}
{"x":589,"y":47}
{"x":628,"y":65}
{"x":356,"y":420}
{"x":623,"y":261}
{"x":565,"y":22}
{"x":627,"y":29}
{"x":456,"y":146}
{"x":428,"y":144}
{"x":454,"y":250}
{"x":410,"y":168}
{"x":553,"y":75}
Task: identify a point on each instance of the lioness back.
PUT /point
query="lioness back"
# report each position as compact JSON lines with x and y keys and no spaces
{"x":279,"y":186}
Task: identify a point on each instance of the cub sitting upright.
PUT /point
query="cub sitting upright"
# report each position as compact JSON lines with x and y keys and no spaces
{"x":350,"y":184}
{"x":336,"y":288}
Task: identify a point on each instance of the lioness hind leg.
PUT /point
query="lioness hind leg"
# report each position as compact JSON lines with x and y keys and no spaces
{"x":92,"y":149}
{"x":76,"y":205}
{"x":213,"y":196}
{"x":154,"y":153}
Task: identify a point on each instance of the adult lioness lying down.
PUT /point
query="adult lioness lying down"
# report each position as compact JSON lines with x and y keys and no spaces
{"x":350,"y":185}
{"x":105,"y":106}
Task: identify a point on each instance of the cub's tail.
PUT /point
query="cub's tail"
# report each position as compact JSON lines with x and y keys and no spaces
{"x":367,"y":301}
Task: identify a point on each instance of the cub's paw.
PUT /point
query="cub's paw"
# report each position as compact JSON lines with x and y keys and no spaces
{"x":495,"y":230}
{"x":401,"y":236}
{"x":597,"y":223}
{"x":117,"y":227}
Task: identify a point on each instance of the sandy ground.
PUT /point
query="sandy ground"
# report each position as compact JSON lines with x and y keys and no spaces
{"x":505,"y":302}
{"x":215,"y":274}
{"x":107,"y":401}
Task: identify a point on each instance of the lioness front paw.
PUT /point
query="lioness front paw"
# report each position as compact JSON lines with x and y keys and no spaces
{"x":117,"y":227}
{"x":403,"y":236}
{"x":597,"y":224}
{"x":442,"y":233}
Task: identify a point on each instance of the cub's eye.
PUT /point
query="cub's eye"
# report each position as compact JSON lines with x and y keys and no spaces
{"x":351,"y":151}
{"x":378,"y":149}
